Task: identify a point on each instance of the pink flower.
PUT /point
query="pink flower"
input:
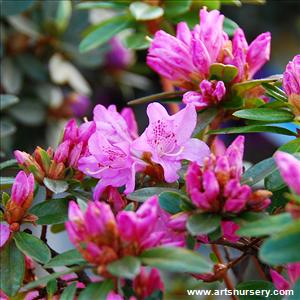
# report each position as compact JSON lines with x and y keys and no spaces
{"x":228,"y":229}
{"x":22,"y":189}
{"x":187,"y":57}
{"x":168,"y":139}
{"x":79,"y":104}
{"x":249,"y":59}
{"x":5,"y":233}
{"x":128,"y":115}
{"x":291,"y":77}
{"x":289,"y":168}
{"x":147,"y":282}
{"x":216,"y":187}
{"x":211,"y":94}
{"x":280,"y":282}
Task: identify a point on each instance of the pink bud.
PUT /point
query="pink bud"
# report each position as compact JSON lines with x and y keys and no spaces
{"x":291,"y":77}
{"x":21,"y":156}
{"x":22,"y":188}
{"x":279,"y":281}
{"x":71,"y":131}
{"x":229,"y":228}
{"x":62,"y":152}
{"x":5,"y":232}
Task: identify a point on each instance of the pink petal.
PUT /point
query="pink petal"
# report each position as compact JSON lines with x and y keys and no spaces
{"x":5,"y":232}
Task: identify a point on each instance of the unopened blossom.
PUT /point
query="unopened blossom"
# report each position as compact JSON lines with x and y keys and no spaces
{"x":20,"y":200}
{"x":229,"y":229}
{"x":216,"y":186}
{"x":249,"y":58}
{"x":147,"y":282}
{"x":186,"y":58}
{"x":79,"y":104}
{"x":211,"y":94}
{"x":102,"y":238}
{"x":291,"y":83}
{"x":168,"y":139}
{"x":5,"y":233}
{"x":293,"y":271}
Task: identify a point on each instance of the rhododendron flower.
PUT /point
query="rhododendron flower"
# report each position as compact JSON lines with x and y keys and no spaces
{"x":102,"y":238}
{"x":228,"y":231}
{"x":79,"y":104}
{"x":5,"y":233}
{"x":216,"y":186}
{"x":291,"y":83}
{"x":211,"y":94}
{"x":21,"y":198}
{"x":249,"y":59}
{"x":280,"y":282}
{"x":168,"y":139}
{"x":186,"y":58}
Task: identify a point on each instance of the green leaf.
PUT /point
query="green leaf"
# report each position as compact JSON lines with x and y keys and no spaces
{"x":275,"y":92}
{"x":6,"y":182}
{"x":52,"y":211}
{"x":8,"y":164}
{"x":44,"y":280}
{"x":265,"y":115}
{"x":127,"y":267}
{"x":143,"y":194}
{"x":230,"y":26}
{"x":253,"y":128}
{"x":7,"y":101}
{"x":170,"y":202}
{"x":177,"y":8}
{"x":144,"y":12}
{"x":97,"y":290}
{"x":136,"y":41}
{"x":51,"y":287}
{"x":242,"y":87}
{"x":176,"y":260}
{"x":69,"y":292}
{"x":103,"y":32}
{"x":56,"y":186}
{"x":234,"y":103}
{"x":7,"y":128}
{"x":32,"y":246}
{"x":12,"y":266}
{"x":101,"y":4}
{"x":266,"y":226}
{"x":283,"y":247}
{"x":223,"y":72}
{"x":296,"y":291}
{"x":204,"y":118}
{"x":202,"y":223}
{"x":15,"y":7}
{"x":64,"y":11}
{"x":259,"y":171}
{"x":71,"y":257}
{"x":256,"y":286}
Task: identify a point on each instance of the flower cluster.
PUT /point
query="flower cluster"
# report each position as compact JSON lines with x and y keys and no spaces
{"x":116,"y":152}
{"x":186,"y":59}
{"x":216,"y":186}
{"x":54,"y":165}
{"x":103,"y":238}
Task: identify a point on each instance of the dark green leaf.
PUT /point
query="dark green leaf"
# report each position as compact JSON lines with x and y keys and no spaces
{"x":253,"y":128}
{"x":265,"y":226}
{"x":52,"y":211}
{"x":101,"y":4}
{"x":8,"y":164}
{"x":7,"y":128}
{"x":56,"y":186}
{"x":143,"y":194}
{"x":170,"y":202}
{"x":67,"y":258}
{"x":204,"y":118}
{"x":242,"y":87}
{"x":283,"y":247}
{"x":127,"y":267}
{"x":296,"y":291}
{"x":219,"y":71}
{"x":234,"y":103}
{"x":142,"y":11}
{"x":136,"y":41}
{"x":176,"y":260}
{"x":46,"y":279}
{"x":265,"y":114}
{"x":69,"y":292}
{"x":103,"y":32}
{"x":51,"y":287}
{"x":12,"y":266}
{"x":275,"y":92}
{"x":32,"y":246}
{"x":15,"y":7}
{"x":255,"y":287}
{"x":7,"y":101}
{"x":202,"y":223}
{"x":97,"y":290}
{"x":173,"y":8}
{"x":230,"y":26}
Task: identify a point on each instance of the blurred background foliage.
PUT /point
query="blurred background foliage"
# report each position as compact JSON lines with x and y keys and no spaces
{"x":60,"y":58}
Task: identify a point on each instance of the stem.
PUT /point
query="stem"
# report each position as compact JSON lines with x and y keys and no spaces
{"x":44,"y":234}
